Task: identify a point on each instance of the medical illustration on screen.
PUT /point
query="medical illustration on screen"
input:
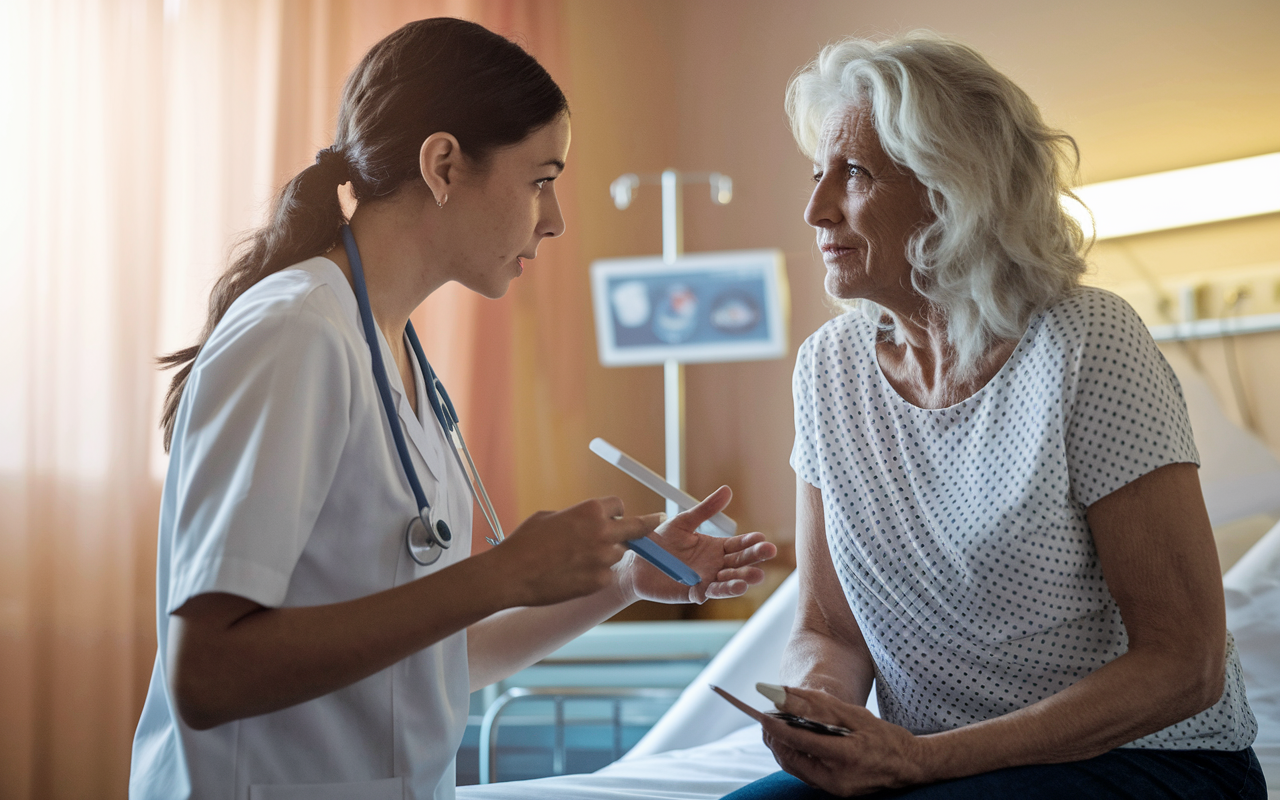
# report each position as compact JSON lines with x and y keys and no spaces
{"x":705,"y":307}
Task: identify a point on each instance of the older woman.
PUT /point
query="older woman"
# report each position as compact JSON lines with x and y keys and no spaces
{"x":999,"y":522}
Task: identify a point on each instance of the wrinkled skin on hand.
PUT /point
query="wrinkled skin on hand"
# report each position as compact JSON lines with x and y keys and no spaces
{"x":876,"y":755}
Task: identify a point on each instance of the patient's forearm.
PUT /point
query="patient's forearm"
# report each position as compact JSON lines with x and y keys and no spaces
{"x":1137,"y":694}
{"x":826,"y":650}
{"x":505,"y":643}
{"x":816,"y":660}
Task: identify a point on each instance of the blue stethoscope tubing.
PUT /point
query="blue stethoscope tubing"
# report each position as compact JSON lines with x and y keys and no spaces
{"x":427,"y":535}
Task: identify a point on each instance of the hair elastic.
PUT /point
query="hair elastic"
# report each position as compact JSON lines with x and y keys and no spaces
{"x":333,"y":163}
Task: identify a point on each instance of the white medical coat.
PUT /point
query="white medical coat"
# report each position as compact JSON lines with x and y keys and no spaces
{"x":284,"y":487}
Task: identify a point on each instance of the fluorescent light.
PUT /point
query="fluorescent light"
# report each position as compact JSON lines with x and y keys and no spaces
{"x":1227,"y":190}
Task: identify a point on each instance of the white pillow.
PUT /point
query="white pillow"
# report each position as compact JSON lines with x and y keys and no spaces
{"x":1252,"y":590}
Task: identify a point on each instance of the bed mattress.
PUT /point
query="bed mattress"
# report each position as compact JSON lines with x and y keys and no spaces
{"x":705,"y":772}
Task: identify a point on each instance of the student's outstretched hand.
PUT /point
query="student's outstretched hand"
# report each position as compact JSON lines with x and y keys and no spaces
{"x":727,"y":566}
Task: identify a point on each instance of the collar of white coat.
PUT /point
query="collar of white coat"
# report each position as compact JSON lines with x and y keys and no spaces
{"x":429,"y":447}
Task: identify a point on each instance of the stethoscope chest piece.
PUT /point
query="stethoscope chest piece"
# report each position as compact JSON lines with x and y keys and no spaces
{"x":427,"y":537}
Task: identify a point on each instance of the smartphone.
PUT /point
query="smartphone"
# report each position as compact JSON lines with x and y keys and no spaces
{"x":791,"y":719}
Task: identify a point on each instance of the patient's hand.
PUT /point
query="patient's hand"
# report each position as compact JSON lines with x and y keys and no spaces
{"x":874,"y":755}
{"x":727,"y":566}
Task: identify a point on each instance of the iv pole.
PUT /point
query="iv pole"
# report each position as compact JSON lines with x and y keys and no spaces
{"x":672,"y":246}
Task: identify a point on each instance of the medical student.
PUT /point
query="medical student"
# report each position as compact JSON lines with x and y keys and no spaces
{"x":318,"y":635}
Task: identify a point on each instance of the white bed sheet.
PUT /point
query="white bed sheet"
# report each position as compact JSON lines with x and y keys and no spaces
{"x":706,"y":772}
{"x":700,"y":716}
{"x":702,"y":748}
{"x":1252,"y":589}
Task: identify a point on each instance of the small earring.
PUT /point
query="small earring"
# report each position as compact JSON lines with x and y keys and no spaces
{"x":440,"y":203}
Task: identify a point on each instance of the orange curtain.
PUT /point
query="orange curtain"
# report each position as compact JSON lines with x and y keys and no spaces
{"x":140,"y":136}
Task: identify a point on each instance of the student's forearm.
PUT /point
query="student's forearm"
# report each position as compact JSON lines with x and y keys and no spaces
{"x":230,"y":658}
{"x":506,"y":642}
{"x":513,"y":639}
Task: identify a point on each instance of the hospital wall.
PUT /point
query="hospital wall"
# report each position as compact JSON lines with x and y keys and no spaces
{"x":698,"y":85}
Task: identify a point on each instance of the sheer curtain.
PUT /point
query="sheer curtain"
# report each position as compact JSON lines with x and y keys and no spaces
{"x":139,"y":136}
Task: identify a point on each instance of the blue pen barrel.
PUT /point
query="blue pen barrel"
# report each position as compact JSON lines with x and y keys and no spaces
{"x":672,"y":567}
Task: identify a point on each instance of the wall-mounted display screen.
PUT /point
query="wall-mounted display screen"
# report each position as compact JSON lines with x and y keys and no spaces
{"x":726,"y":306}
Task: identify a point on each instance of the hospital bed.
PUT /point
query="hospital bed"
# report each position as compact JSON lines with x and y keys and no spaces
{"x":589,"y":702}
{"x":703,"y":748}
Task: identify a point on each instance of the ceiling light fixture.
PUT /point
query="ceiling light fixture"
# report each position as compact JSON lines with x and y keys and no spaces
{"x":1244,"y":187}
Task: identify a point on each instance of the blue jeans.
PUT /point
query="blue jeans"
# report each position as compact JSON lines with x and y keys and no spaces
{"x":1118,"y":774}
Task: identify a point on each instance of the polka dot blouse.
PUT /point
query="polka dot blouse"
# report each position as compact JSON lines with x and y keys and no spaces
{"x":959,"y":533}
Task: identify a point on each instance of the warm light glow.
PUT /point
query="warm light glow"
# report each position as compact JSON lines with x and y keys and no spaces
{"x":1227,"y":190}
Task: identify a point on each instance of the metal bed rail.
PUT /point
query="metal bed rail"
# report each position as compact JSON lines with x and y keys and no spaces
{"x":558,"y":695}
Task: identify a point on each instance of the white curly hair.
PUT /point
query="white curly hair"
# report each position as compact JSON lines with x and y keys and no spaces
{"x":1001,"y":246}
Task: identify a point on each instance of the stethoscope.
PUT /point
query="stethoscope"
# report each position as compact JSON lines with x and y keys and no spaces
{"x":427,"y":535}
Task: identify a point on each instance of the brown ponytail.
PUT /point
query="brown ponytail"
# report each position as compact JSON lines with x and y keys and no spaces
{"x":429,"y":76}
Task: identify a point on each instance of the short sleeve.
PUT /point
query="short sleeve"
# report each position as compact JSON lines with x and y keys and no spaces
{"x":804,"y":453}
{"x":1127,"y":413}
{"x":259,"y":435}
